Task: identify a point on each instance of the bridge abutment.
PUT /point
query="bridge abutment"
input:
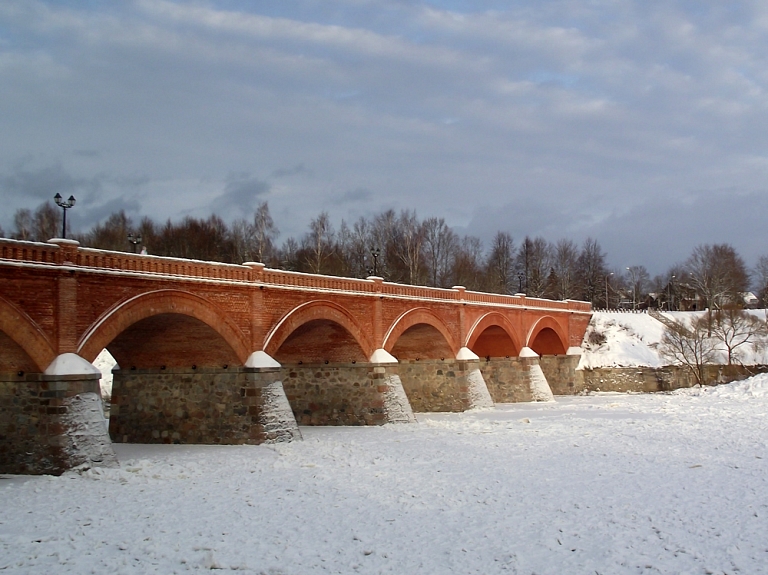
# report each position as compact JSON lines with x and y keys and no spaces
{"x":560,"y":371}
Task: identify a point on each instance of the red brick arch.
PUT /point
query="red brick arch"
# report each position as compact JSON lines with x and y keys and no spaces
{"x":558,"y":346}
{"x":311,"y":311}
{"x":412,"y":317}
{"x":493,"y":319}
{"x":25,"y":332}
{"x":120,"y":317}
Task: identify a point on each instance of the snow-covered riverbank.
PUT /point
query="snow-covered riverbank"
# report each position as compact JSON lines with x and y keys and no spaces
{"x":600,"y":484}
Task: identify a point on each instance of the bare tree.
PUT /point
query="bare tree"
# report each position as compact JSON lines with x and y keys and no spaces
{"x":46,"y":222}
{"x":637,"y":280}
{"x":735,"y":328}
{"x":565,"y":265}
{"x":319,"y":243}
{"x":243,"y":237}
{"x":149,"y":233}
{"x":465,"y":265}
{"x":382,"y":235}
{"x":534,"y":261}
{"x":408,"y":244}
{"x":761,"y":279}
{"x":22,"y":222}
{"x":500,"y":264}
{"x":359,"y":249}
{"x":112,"y":234}
{"x":289,"y":255}
{"x":265,"y":232}
{"x":718,"y":273}
{"x":439,"y":243}
{"x":689,"y":346}
{"x":592,"y":272}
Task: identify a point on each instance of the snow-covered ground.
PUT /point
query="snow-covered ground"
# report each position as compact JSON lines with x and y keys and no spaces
{"x":607,"y":483}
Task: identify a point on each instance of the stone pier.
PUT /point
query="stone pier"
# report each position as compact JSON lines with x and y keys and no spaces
{"x":237,"y":405}
{"x":54,"y":421}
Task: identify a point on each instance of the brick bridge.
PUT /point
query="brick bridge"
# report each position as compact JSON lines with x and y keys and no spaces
{"x":230,"y":354}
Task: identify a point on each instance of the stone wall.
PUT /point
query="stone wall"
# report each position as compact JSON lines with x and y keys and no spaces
{"x":49,"y":424}
{"x":335,"y":394}
{"x":437,"y":385}
{"x":560,"y":371}
{"x":649,"y":379}
{"x":506,"y":379}
{"x":204,"y":406}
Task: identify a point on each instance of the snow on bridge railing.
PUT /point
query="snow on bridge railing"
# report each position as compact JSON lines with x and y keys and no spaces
{"x":37,"y":252}
{"x":69,"y":252}
{"x":141,"y":263}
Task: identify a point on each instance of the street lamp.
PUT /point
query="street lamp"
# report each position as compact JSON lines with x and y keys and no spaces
{"x":134,"y":240}
{"x":375,"y":253}
{"x":64,"y":205}
{"x":634,"y":283}
{"x":520,"y":282}
{"x":606,"y":289}
{"x":669,"y":293}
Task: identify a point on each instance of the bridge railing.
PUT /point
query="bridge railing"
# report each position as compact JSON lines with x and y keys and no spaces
{"x":35,"y":252}
{"x":68,"y":252}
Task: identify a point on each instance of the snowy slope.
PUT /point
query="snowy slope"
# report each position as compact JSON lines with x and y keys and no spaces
{"x":625,"y":339}
{"x":621,"y":340}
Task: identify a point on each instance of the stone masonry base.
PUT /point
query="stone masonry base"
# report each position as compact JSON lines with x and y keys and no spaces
{"x":49,"y":424}
{"x":205,"y":406}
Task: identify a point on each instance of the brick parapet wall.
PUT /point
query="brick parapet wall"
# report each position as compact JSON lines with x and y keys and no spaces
{"x":69,"y":253}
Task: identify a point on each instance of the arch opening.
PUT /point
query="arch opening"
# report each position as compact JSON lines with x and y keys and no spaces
{"x":547,"y":342}
{"x":421,"y":341}
{"x":173,"y":341}
{"x":320,"y":341}
{"x":494,"y":341}
{"x":162,"y":304}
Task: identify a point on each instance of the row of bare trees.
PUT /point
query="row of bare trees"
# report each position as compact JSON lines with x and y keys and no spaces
{"x":403,"y":248}
{"x":694,"y":340}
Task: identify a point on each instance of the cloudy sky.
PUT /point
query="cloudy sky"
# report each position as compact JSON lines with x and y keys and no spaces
{"x":641,"y":123}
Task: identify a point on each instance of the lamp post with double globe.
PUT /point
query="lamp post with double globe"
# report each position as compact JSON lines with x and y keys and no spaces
{"x":64,"y":205}
{"x":134,"y":239}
